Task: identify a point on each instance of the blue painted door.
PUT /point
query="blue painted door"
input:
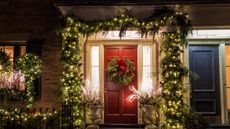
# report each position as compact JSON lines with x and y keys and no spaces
{"x":205,"y":96}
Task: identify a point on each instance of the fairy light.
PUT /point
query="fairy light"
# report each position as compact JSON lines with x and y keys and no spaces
{"x":172,"y":78}
{"x":30,"y":67}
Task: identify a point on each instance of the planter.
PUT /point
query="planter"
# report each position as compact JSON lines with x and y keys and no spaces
{"x":151,"y":116}
{"x":94,"y":114}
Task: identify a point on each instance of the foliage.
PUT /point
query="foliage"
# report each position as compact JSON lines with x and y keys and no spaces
{"x":121,"y":71}
{"x":72,"y":81}
{"x":172,"y":72}
{"x":22,"y":119}
{"x":194,"y":120}
{"x":27,"y":68}
{"x":30,"y":66}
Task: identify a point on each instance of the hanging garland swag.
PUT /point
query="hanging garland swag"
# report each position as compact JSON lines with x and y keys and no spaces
{"x":72,"y":80}
{"x":121,"y":71}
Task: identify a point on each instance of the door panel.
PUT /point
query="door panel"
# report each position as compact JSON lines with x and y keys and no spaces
{"x":205,"y":97}
{"x":117,"y":109}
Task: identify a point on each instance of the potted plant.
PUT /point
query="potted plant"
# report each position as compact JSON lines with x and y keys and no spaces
{"x":150,"y":102}
{"x":93,"y":106}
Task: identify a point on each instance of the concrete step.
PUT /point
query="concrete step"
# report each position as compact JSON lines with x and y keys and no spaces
{"x":219,"y":127}
{"x":121,"y":126}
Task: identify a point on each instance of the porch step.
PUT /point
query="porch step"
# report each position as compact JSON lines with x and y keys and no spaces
{"x":121,"y":126}
{"x":219,"y":127}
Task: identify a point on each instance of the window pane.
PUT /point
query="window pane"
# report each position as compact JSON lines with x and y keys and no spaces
{"x":95,"y":78}
{"x":146,"y":55}
{"x":10,"y":51}
{"x":22,"y":50}
{"x":95,"y":56}
{"x":146,"y":79}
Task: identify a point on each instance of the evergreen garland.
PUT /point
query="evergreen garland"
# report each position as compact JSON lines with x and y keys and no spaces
{"x":30,"y":66}
{"x":173,"y":73}
{"x":72,"y":79}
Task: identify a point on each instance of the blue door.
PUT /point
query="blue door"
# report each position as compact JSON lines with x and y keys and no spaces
{"x":205,"y":96}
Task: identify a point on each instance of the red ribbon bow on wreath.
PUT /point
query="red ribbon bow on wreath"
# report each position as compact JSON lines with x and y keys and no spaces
{"x":122,"y":64}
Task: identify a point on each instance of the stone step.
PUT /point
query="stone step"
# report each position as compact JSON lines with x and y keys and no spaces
{"x":219,"y":127}
{"x":121,"y":126}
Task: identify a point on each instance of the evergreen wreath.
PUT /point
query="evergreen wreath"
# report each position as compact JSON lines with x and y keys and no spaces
{"x":121,"y":71}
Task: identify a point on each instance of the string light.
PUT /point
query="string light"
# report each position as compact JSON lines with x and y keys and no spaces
{"x":21,"y":116}
{"x":30,"y":66}
{"x":173,"y":73}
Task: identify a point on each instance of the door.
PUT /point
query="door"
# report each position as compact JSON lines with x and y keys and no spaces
{"x":117,"y":109}
{"x":205,"y":97}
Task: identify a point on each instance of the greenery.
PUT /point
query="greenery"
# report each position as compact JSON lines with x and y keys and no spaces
{"x":171,"y":65}
{"x":72,"y":80}
{"x":30,"y":66}
{"x":194,"y":120}
{"x":121,"y":71}
{"x":22,"y":119}
{"x":173,"y":73}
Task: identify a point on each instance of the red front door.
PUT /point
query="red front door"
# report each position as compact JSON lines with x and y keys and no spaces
{"x":117,"y":108}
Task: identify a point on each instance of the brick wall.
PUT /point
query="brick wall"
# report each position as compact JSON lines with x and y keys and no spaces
{"x":23,"y":20}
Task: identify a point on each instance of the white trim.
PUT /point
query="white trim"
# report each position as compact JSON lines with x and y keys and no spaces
{"x":223,"y":88}
{"x":210,"y":34}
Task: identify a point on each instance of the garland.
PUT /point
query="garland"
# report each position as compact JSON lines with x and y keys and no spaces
{"x":121,"y":71}
{"x":72,"y":80}
{"x":21,"y":118}
{"x":30,"y":66}
{"x":173,"y":73}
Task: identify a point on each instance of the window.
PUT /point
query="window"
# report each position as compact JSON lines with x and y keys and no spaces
{"x":146,"y":68}
{"x":14,"y":50}
{"x":95,"y":80}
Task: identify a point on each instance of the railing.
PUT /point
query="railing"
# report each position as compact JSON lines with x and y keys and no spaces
{"x":35,"y":118}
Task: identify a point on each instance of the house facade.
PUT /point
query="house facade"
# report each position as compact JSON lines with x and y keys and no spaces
{"x":30,"y":28}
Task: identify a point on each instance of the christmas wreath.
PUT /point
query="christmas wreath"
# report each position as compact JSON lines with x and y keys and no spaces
{"x":121,"y":71}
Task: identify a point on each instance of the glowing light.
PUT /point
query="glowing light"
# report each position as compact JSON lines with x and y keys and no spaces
{"x":131,"y":98}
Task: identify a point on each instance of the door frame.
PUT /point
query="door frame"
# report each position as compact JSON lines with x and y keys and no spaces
{"x":101,"y":43}
{"x":222,"y":76}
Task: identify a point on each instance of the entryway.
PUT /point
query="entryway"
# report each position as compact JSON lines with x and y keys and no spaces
{"x":117,"y":109}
